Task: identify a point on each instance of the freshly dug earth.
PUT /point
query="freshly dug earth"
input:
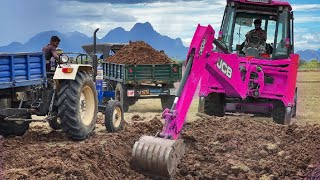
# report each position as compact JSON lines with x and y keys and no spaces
{"x":217,"y":148}
{"x":139,"y":52}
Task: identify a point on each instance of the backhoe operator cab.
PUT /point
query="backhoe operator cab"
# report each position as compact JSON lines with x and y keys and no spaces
{"x":276,"y":21}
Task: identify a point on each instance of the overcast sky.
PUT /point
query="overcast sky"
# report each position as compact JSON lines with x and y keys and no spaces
{"x":22,"y":19}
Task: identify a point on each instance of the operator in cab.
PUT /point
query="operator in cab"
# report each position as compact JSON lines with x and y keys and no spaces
{"x":257,"y":37}
{"x":51,"y":53}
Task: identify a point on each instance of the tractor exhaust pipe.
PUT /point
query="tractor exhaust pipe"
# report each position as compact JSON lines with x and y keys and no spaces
{"x":94,"y":56}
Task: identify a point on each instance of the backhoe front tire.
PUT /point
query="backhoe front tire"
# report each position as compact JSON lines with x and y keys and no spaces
{"x":78,"y":106}
{"x":214,"y":105}
{"x":294,"y":110}
{"x":281,"y":114}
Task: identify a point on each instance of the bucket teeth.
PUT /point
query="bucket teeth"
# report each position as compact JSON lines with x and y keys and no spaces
{"x":157,"y":156}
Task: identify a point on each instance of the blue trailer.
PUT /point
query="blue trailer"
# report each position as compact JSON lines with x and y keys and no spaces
{"x":22,"y":69}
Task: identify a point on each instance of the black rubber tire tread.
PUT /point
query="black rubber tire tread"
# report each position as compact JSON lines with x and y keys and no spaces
{"x":278,"y":112}
{"x":68,"y":107}
{"x":112,"y":105}
{"x":11,"y":128}
{"x":121,"y":96}
{"x":214,"y":105}
{"x":54,"y":124}
{"x":167,"y":102}
{"x":294,"y":114}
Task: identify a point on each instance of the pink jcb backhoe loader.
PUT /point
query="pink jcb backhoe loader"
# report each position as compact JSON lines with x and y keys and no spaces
{"x":238,"y":74}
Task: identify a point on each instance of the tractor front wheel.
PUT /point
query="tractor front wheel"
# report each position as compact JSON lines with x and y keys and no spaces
{"x":114,"y":116}
{"x":78,"y":106}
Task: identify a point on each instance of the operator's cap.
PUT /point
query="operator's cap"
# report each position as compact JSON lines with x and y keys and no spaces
{"x":257,"y":21}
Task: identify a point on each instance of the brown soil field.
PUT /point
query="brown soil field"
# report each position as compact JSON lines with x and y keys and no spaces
{"x":233,"y":147}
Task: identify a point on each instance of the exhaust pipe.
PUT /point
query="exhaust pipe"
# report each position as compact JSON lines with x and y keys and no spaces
{"x":94,"y":56}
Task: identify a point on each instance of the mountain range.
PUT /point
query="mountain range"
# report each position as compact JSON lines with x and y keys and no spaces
{"x":72,"y":41}
{"x":309,"y":54}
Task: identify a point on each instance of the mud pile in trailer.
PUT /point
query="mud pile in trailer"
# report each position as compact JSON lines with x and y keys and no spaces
{"x":226,"y":148}
{"x":139,"y":52}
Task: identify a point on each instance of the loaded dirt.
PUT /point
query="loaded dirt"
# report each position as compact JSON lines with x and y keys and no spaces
{"x":139,"y":52}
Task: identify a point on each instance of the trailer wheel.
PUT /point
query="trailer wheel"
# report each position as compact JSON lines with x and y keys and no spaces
{"x":8,"y":128}
{"x":121,"y":96}
{"x":114,"y":116}
{"x":78,"y":106}
{"x":14,"y":128}
{"x":167,"y":101}
{"x":281,"y":114}
{"x":214,"y":105}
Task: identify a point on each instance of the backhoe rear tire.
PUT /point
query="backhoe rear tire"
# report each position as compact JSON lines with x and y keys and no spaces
{"x":78,"y":106}
{"x":214,"y":105}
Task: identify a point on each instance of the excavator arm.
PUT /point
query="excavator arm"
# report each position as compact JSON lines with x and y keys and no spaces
{"x":199,"y":53}
{"x":159,"y":155}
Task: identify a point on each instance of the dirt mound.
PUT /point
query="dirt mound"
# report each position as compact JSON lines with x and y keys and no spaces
{"x":139,"y":52}
{"x":244,"y":149}
{"x":224,"y":148}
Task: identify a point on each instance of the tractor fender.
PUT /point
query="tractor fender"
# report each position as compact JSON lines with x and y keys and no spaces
{"x":59,"y":75}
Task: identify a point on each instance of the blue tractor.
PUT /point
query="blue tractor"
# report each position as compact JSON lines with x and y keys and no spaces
{"x":66,"y":96}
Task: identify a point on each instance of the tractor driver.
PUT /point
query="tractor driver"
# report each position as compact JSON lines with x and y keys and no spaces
{"x":50,"y":50}
{"x":257,"y":37}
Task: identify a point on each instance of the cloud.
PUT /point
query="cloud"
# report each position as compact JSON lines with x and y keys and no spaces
{"x":22,"y":19}
{"x":92,"y":12}
{"x":307,"y":41}
{"x":307,"y":19}
{"x":127,"y":1}
{"x":306,"y":7}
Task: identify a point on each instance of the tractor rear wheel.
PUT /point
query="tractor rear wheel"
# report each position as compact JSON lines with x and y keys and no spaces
{"x":114,"y":117}
{"x":78,"y":106}
{"x":214,"y":104}
{"x":281,"y":114}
